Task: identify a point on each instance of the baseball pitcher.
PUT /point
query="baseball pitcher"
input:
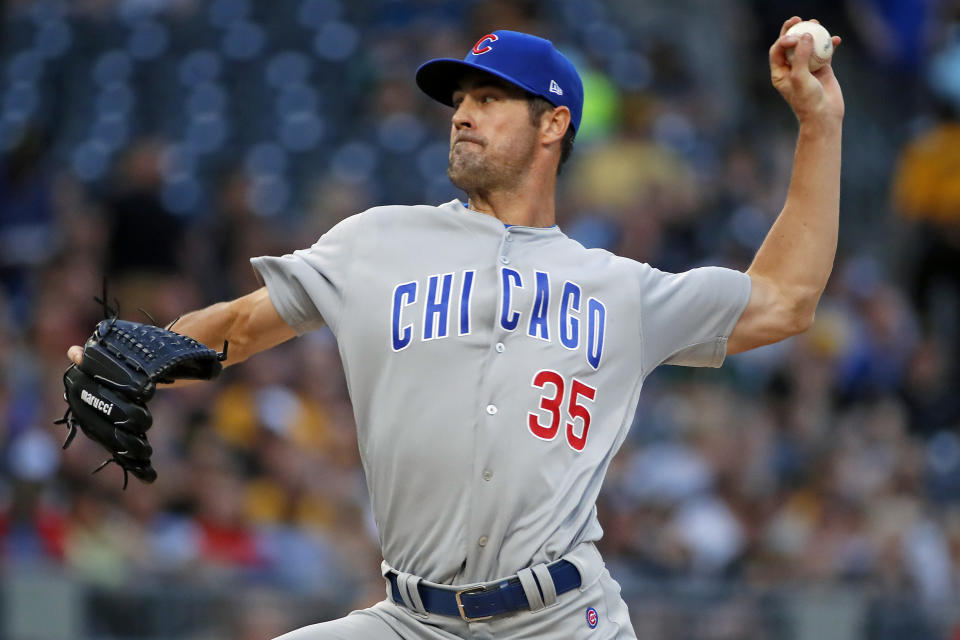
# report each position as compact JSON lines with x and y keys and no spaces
{"x":495,"y":365}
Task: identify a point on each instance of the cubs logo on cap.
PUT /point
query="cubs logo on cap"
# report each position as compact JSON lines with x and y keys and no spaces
{"x":531,"y":63}
{"x":482,"y":47}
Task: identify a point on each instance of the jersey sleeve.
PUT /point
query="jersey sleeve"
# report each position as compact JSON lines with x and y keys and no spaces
{"x":307,"y":286}
{"x":686,"y":318}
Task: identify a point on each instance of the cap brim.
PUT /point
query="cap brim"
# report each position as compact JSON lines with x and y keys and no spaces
{"x":439,"y":78}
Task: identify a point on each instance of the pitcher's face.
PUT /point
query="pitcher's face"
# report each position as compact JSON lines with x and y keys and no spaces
{"x":492,"y":138}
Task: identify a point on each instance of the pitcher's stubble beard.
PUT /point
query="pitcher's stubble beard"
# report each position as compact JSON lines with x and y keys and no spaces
{"x":484,"y":168}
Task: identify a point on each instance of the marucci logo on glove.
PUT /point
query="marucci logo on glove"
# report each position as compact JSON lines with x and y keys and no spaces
{"x":99,"y":404}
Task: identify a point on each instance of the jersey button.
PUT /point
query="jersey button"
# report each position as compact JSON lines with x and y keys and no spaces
{"x":491,"y":409}
{"x":487,"y":474}
{"x":504,"y":260}
{"x":509,"y":237}
{"x":500,"y":348}
{"x":482,"y":541}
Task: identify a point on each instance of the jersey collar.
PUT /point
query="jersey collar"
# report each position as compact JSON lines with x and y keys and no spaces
{"x":462,"y":208}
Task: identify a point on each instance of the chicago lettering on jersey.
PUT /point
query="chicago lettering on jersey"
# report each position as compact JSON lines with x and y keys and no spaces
{"x":445,"y":300}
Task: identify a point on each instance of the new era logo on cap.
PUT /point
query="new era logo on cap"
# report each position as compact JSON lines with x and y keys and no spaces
{"x":529,"y":62}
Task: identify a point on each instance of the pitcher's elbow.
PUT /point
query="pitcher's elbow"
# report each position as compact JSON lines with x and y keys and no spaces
{"x":797,"y":315}
{"x":803,"y":322}
{"x":803,"y":310}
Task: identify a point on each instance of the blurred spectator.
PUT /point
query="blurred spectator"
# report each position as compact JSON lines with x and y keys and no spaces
{"x":926,"y":191}
{"x":896,"y":34}
{"x":98,"y":546}
{"x":28,"y":236}
{"x":31,"y":529}
{"x":145,"y":238}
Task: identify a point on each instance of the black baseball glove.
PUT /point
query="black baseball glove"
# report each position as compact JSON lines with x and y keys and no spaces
{"x":108,"y":391}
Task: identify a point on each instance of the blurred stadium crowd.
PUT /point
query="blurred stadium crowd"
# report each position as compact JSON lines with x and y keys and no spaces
{"x":162,"y":143}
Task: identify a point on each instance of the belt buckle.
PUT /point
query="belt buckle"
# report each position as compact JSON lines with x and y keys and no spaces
{"x":463,"y":616}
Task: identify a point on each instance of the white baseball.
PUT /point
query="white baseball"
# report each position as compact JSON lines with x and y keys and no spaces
{"x":822,"y":43}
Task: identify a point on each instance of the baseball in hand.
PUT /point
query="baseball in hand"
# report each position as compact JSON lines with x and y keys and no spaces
{"x":822,"y":43}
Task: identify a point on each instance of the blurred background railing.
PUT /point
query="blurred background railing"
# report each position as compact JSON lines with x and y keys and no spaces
{"x":806,"y":490}
{"x":54,"y":606}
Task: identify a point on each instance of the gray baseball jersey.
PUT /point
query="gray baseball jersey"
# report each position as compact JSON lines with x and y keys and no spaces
{"x":494,"y":372}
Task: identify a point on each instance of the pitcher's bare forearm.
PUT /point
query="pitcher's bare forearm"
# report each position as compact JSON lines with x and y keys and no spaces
{"x":799,"y":250}
{"x":249,"y":324}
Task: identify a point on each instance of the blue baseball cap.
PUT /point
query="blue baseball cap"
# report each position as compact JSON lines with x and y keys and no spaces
{"x":529,"y":62}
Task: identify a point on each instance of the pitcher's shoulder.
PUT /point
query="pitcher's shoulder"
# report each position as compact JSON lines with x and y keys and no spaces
{"x":598,"y":257}
{"x":383,"y":213}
